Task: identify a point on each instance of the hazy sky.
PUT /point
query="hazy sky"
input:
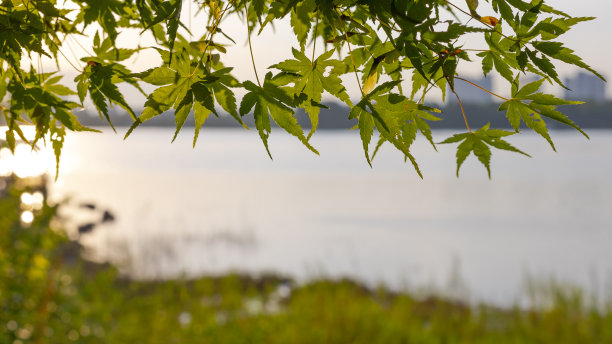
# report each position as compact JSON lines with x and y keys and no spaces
{"x":590,"y":40}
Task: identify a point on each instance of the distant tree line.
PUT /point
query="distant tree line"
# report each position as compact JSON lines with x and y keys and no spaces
{"x":590,"y":115}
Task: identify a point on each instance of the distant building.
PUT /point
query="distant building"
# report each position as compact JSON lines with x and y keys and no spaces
{"x":585,"y":86}
{"x":529,"y":78}
{"x":470,"y":94}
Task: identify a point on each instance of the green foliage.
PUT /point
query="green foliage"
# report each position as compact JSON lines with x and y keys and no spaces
{"x":309,"y":80}
{"x":383,"y":43}
{"x":271,"y":100}
{"x":48,"y":294}
{"x":478,"y":142}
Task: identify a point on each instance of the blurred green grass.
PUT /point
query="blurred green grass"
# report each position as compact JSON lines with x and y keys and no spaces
{"x":48,"y":294}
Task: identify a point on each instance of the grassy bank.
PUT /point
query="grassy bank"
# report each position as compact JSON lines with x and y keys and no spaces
{"x":234,"y":309}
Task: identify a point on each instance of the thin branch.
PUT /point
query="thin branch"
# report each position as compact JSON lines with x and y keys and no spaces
{"x":392,"y":28}
{"x":353,"y":63}
{"x":431,"y":85}
{"x":314,"y":43}
{"x":189,"y":20}
{"x":74,"y":55}
{"x":482,"y":88}
{"x":79,"y":44}
{"x":462,"y":110}
{"x":480,"y":21}
{"x":352,"y":59}
{"x":458,"y":8}
{"x":68,"y":60}
{"x":40,"y":69}
{"x":210,"y":36}
{"x":246,"y":11}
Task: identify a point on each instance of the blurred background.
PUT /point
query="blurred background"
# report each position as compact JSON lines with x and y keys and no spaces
{"x":224,"y":206}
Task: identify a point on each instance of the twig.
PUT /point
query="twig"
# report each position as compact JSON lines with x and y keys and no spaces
{"x":314,"y":43}
{"x":210,"y":36}
{"x":480,"y":21}
{"x":462,"y":110}
{"x":246,"y":11}
{"x":482,"y":88}
{"x":353,"y":63}
{"x":431,"y":85}
{"x":352,"y":59}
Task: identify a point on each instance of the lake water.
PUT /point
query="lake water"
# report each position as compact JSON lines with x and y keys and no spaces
{"x":225,"y":206}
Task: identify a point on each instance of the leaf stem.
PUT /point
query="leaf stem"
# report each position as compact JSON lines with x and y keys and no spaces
{"x":314,"y":43}
{"x":392,"y":28}
{"x":58,"y":46}
{"x":462,"y":110}
{"x":480,"y":21}
{"x":352,"y":59}
{"x":246,"y":11}
{"x":431,"y":85}
{"x":210,"y":36}
{"x":68,"y":60}
{"x":482,"y":88}
{"x":78,"y":43}
{"x":353,"y":63}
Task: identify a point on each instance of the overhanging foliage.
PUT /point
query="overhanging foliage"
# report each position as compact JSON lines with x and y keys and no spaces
{"x":381,"y":42}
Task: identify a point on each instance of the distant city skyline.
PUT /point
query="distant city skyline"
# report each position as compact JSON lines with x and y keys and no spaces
{"x":582,"y":86}
{"x":585,"y":86}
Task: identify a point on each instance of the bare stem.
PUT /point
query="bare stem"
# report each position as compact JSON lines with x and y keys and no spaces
{"x":68,"y":60}
{"x":353,"y":63}
{"x":392,"y":28}
{"x":431,"y":85}
{"x":462,"y":110}
{"x":314,"y":43}
{"x":246,"y":11}
{"x":482,"y":88}
{"x":352,"y":59}
{"x":210,"y":36}
{"x":472,"y":16}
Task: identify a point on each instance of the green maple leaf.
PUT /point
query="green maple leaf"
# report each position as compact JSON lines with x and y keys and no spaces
{"x":106,"y":51}
{"x":185,"y":87}
{"x":168,"y":11}
{"x":173,"y":24}
{"x":309,"y":77}
{"x":40,"y":99}
{"x":102,"y":12}
{"x":551,"y":28}
{"x":99,"y":80}
{"x":478,"y":143}
{"x":271,"y":101}
{"x":395,"y":117}
{"x":301,"y":20}
{"x":529,"y":105}
{"x":557,"y":51}
{"x":406,"y":117}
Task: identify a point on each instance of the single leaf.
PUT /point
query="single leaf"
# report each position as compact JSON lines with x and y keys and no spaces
{"x":557,"y":51}
{"x":472,"y":6}
{"x":201,"y":113}
{"x":489,"y":20}
{"x":173,"y":24}
{"x":271,"y":101}
{"x":182,"y":112}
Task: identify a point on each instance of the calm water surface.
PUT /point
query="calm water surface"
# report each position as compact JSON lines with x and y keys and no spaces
{"x":225,"y":206}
